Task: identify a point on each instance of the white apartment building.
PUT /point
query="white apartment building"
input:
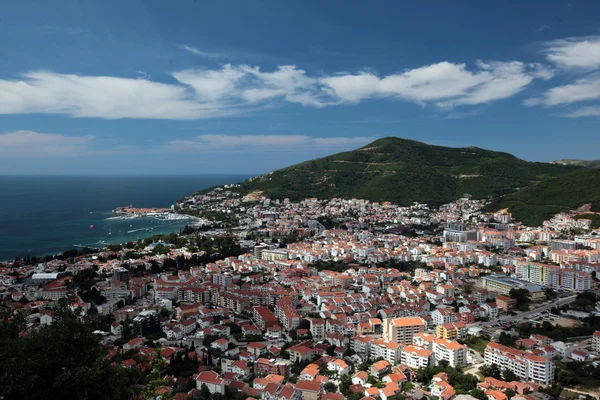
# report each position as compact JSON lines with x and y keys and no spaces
{"x":424,"y":340}
{"x":443,"y":315}
{"x":596,"y":341}
{"x":451,"y":351}
{"x":389,"y":351}
{"x":415,"y":357}
{"x":362,"y":344}
{"x":317,"y":329}
{"x":527,"y":366}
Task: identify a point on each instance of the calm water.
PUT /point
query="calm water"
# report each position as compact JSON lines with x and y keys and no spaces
{"x":49,"y":214}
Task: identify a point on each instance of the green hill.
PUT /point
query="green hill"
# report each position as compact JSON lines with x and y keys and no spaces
{"x":404,"y":171}
{"x":538,"y":202}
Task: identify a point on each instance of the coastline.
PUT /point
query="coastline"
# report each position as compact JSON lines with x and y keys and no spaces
{"x":145,"y":232}
{"x":41,"y":215}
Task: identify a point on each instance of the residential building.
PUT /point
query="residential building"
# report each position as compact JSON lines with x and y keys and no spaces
{"x":311,"y":390}
{"x":317,"y":329}
{"x":451,"y":330}
{"x":596,"y":341}
{"x":506,"y":303}
{"x":212,"y":380}
{"x":264,"y":317}
{"x":387,"y":350}
{"x":145,"y":322}
{"x":301,"y":353}
{"x":401,"y":330}
{"x":443,"y":315}
{"x":526,"y":365}
{"x":415,"y":357}
{"x":451,"y":351}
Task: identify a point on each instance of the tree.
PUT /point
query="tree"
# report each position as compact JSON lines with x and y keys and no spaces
{"x":509,"y":393}
{"x":509,"y":376}
{"x":155,"y":381}
{"x":234,"y":328}
{"x":345,"y":382}
{"x":204,"y":392}
{"x":492,"y":370}
{"x":506,"y":340}
{"x":468,"y":288}
{"x":330,"y":387}
{"x":164,"y":312}
{"x":550,"y":293}
{"x":330,"y":350}
{"x":553,"y":391}
{"x":62,"y":361}
{"x":478,"y":394}
{"x":522,"y":296}
{"x":565,"y":378}
{"x":304,"y":324}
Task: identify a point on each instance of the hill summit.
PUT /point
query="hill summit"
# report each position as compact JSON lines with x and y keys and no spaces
{"x":404,"y":171}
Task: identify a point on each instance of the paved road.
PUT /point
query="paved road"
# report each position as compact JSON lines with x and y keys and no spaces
{"x":528,"y":314}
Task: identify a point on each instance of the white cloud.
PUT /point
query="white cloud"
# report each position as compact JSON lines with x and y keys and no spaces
{"x":590,"y":111}
{"x":352,"y":88}
{"x":583,"y":89}
{"x":287,"y":82}
{"x":543,"y":28}
{"x":100,"y":97}
{"x":31,"y":143}
{"x":578,"y":56}
{"x":212,"y":85}
{"x":201,"y":53}
{"x":262,"y":142}
{"x":578,"y":53}
{"x":231,"y":90}
{"x":445,"y":84}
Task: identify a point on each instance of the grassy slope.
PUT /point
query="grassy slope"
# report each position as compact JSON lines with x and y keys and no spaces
{"x":404,"y":171}
{"x":538,"y":202}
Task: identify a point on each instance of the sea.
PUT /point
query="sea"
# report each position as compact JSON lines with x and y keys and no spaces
{"x":41,"y":215}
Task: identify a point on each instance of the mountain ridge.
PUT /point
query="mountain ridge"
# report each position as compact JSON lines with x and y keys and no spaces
{"x":404,"y":171}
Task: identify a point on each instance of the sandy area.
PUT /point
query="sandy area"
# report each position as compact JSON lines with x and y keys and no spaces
{"x":566,"y":322}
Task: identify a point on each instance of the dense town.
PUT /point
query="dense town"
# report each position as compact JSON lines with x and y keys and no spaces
{"x":337,"y":299}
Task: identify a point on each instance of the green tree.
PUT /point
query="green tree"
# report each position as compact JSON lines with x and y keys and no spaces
{"x":554,"y":391}
{"x":565,"y":378}
{"x":522,"y":296}
{"x":478,"y":394}
{"x":345,"y":382}
{"x":492,"y":370}
{"x":330,"y":387}
{"x":509,"y":376}
{"x":154,"y":380}
{"x":61,"y":361}
{"x":330,"y":350}
{"x":204,"y":392}
{"x":550,"y":293}
{"x":506,"y":339}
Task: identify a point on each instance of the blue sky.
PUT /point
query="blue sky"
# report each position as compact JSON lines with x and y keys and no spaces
{"x":115,"y":87}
